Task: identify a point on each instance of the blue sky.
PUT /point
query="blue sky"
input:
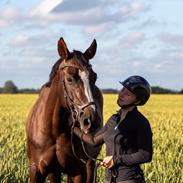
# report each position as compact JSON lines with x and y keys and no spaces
{"x":142,"y":37}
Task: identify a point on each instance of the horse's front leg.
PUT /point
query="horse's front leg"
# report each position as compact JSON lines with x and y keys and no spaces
{"x":41,"y":164}
{"x":79,"y":179}
{"x":79,"y":175}
{"x":86,"y":175}
{"x":35,"y":175}
{"x":54,"y":177}
{"x":69,"y":179}
{"x":90,"y":168}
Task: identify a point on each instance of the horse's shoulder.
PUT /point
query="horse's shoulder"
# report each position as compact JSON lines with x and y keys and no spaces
{"x":40,"y":102}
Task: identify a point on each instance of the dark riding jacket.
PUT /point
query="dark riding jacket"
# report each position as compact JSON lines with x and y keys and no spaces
{"x":128,"y":141}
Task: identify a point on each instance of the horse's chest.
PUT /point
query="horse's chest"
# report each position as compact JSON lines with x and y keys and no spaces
{"x":64,"y":150}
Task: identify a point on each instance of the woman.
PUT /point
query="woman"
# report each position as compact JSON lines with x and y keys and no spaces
{"x":127,"y":135}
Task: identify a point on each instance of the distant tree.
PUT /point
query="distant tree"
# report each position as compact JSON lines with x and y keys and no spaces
{"x":9,"y":87}
{"x":181,"y":91}
{"x":160,"y":90}
{"x":28,"y":90}
{"x":109,"y":91}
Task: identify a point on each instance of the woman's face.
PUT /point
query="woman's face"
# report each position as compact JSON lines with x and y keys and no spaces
{"x":125,"y":97}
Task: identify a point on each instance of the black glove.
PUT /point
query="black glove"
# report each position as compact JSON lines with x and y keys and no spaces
{"x":78,"y":132}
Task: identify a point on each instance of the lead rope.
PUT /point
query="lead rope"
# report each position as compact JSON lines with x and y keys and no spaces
{"x":97,"y":164}
{"x":95,"y":172}
{"x":74,"y":117}
{"x":73,"y":149}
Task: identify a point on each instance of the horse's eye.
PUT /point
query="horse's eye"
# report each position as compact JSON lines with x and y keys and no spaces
{"x":70,"y":79}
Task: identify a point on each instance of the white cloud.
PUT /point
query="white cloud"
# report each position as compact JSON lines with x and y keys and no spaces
{"x":95,"y":13}
{"x":133,"y":39}
{"x":98,"y":28}
{"x":137,"y":7}
{"x":9,"y":15}
{"x":3,"y":23}
{"x":6,"y":1}
{"x":79,"y":5}
{"x":150,"y":22}
{"x":19,"y":40}
{"x":87,"y":13}
{"x":172,"y":39}
{"x":40,"y":40}
{"x":133,"y":8}
{"x":45,"y":7}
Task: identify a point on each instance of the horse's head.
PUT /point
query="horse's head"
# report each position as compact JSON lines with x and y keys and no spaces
{"x":78,"y":82}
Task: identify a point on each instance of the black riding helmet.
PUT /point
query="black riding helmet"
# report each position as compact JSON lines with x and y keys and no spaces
{"x":138,"y":86}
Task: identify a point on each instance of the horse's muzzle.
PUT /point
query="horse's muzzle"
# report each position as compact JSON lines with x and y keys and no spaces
{"x":86,"y":119}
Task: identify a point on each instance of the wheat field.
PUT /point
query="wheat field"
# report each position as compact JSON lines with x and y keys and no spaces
{"x":165,"y":113}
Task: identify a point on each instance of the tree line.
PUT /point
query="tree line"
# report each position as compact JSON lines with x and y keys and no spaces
{"x":10,"y":87}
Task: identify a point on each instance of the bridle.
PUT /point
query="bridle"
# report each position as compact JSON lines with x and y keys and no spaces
{"x":74,"y":107}
{"x":75,"y":111}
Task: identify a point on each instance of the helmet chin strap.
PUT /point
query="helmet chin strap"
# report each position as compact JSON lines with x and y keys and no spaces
{"x":130,"y":105}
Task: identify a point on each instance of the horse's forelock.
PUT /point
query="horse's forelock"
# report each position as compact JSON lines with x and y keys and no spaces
{"x":80,"y":57}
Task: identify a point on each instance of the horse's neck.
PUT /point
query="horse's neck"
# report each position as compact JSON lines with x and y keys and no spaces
{"x":55,"y":108}
{"x":54,"y":95}
{"x":44,"y":93}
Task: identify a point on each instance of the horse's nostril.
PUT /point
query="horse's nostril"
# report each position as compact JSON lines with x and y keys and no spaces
{"x":86,"y":122}
{"x":81,"y":113}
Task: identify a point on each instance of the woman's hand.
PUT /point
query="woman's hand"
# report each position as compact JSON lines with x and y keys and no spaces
{"x":107,"y":162}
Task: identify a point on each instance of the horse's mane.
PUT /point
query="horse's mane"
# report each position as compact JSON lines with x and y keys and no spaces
{"x":52,"y":73}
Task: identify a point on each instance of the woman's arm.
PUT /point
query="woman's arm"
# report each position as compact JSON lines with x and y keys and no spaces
{"x":96,"y":139}
{"x":144,"y":153}
{"x":142,"y":156}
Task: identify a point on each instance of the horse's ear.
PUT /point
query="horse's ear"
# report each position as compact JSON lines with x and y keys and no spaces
{"x":90,"y":52}
{"x":62,"y":49}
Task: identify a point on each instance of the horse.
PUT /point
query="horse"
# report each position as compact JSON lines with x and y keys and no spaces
{"x":70,"y":98}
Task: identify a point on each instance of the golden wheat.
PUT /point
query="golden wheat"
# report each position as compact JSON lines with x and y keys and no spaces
{"x":165,"y":113}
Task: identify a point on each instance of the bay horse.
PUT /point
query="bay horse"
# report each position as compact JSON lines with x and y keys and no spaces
{"x":70,"y":98}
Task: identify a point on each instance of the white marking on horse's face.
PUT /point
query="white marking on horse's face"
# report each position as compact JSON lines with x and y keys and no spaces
{"x":85,"y":78}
